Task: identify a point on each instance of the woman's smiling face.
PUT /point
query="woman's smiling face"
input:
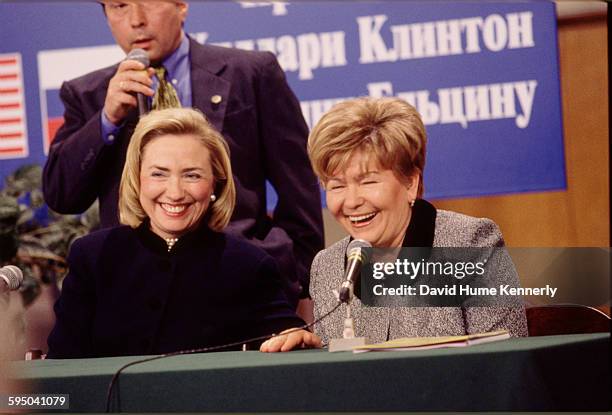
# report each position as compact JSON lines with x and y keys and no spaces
{"x":176,"y":181}
{"x":371,"y":203}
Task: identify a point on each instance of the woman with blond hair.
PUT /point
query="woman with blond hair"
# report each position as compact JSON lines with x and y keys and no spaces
{"x":169,"y":279}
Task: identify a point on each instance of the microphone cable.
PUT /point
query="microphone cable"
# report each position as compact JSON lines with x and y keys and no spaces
{"x":115,"y":378}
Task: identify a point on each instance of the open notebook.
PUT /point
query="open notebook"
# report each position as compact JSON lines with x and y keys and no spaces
{"x":422,"y":343}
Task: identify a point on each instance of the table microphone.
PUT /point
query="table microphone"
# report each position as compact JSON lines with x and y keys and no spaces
{"x":140,"y":55}
{"x":10,"y":278}
{"x":356,"y":256}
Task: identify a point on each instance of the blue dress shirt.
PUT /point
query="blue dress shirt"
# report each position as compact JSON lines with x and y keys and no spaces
{"x":178,"y":73}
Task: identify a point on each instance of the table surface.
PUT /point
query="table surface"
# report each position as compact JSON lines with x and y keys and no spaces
{"x":569,"y":372}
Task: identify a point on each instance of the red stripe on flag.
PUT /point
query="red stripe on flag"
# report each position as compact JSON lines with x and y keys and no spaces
{"x":12,"y":105}
{"x":9,"y":90}
{"x":53,"y":125}
{"x":11,"y":135}
{"x":10,"y":121}
{"x":11,"y":150}
{"x":9,"y":61}
{"x":8,"y":76}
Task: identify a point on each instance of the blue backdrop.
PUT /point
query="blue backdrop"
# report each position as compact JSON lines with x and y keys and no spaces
{"x":483,"y":74}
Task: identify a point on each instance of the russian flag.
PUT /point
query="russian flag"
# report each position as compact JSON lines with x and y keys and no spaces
{"x":59,"y":65}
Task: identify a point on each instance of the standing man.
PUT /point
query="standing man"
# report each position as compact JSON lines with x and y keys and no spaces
{"x":244,"y":94}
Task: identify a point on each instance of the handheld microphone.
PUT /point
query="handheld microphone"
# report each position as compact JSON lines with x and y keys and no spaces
{"x":10,"y":278}
{"x":357,"y":256}
{"x":140,"y":55}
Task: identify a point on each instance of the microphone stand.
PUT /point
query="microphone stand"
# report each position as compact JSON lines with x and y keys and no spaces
{"x":348,"y":340}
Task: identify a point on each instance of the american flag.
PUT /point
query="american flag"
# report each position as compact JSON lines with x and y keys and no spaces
{"x":13,"y":132}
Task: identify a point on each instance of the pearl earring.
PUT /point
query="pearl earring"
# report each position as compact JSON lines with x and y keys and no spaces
{"x":412,"y":203}
{"x":213,"y":197}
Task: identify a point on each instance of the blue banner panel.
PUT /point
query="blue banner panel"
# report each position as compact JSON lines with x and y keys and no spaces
{"x":484,"y":75}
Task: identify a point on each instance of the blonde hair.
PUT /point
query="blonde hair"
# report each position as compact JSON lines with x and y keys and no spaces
{"x":177,"y":121}
{"x":390,"y":129}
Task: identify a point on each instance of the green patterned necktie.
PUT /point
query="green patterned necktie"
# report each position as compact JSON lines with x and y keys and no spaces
{"x":165,"y":96}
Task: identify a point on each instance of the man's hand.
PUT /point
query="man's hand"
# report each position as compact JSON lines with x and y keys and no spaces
{"x":289,"y":340}
{"x":131,"y":78}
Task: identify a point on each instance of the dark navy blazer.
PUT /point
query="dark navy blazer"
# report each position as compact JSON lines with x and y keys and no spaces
{"x":261,"y":120}
{"x":126,"y":295}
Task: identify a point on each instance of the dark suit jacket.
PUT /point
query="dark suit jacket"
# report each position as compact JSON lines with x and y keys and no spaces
{"x":260,"y":118}
{"x":126,"y":295}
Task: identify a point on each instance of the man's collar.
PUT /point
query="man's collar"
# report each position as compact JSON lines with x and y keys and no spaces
{"x":208,"y":58}
{"x":172,"y":62}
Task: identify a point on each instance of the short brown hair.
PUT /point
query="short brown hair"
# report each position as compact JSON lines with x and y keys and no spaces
{"x":389,"y":128}
{"x":177,"y":121}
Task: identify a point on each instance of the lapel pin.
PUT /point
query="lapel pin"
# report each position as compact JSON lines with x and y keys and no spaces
{"x":216,"y":99}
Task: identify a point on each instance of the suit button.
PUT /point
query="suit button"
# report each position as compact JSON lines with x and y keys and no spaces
{"x":155,"y":304}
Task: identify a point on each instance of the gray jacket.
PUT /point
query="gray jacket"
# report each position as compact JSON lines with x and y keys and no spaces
{"x":379,"y":324}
